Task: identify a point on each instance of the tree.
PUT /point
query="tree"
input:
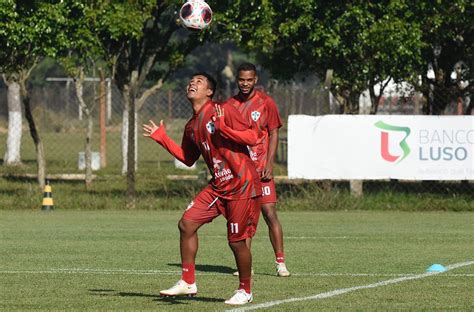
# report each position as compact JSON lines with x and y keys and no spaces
{"x":12,"y":151}
{"x":79,"y":56}
{"x":448,"y":31}
{"x":143,"y":44}
{"x":364,"y":43}
{"x":29,"y":30}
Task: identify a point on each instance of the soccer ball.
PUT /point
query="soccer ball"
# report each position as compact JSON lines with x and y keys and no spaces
{"x":195,"y":14}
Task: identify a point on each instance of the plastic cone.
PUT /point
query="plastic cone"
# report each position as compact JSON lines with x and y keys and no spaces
{"x":47,"y":198}
{"x":436,"y":268}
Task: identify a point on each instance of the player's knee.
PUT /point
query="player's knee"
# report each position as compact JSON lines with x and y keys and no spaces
{"x":270,"y":215}
{"x":238,"y":245}
{"x":183,"y":226}
{"x":187,"y":227}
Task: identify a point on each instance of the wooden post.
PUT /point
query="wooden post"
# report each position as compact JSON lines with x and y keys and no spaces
{"x":356,"y":188}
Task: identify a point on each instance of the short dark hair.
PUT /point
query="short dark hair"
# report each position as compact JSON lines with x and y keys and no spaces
{"x":212,"y":83}
{"x":247,"y":67}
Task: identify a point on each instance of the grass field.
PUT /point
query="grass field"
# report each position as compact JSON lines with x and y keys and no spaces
{"x":119,"y":260}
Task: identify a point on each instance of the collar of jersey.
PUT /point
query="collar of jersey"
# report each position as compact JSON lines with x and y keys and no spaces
{"x":256,"y":94}
{"x":202,"y":107}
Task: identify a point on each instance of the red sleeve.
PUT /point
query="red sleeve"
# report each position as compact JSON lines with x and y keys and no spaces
{"x":234,"y":127}
{"x":187,"y":153}
{"x":273,"y":118}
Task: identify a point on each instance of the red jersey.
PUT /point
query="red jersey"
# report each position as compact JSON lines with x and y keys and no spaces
{"x":233,"y":173}
{"x":262,"y":113}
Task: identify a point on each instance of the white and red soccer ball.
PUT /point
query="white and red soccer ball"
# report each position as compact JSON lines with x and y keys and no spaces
{"x":195,"y":14}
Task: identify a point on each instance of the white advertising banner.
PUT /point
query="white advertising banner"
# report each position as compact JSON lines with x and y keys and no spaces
{"x":381,"y":147}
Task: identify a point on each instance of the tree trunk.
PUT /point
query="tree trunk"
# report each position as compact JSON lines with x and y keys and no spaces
{"x":326,"y":102}
{"x":40,"y":159}
{"x":90,"y":127}
{"x":132,"y":136}
{"x":125,"y":128}
{"x":124,"y":139}
{"x":86,"y":110}
{"x":354,"y":102}
{"x":109,"y":99}
{"x":12,"y":153}
{"x":374,"y":100}
{"x":102,"y":120}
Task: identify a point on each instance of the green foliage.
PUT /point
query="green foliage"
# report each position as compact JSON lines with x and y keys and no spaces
{"x":364,"y":42}
{"x":156,"y":192}
{"x":449,"y":26}
{"x":30,"y":30}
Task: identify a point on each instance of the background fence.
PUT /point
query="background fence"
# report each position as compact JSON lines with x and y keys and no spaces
{"x":62,"y":125}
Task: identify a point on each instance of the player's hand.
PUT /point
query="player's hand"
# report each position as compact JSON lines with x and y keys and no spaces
{"x":267,"y":172}
{"x":219,"y":111}
{"x":218,"y":118}
{"x":151,"y":127}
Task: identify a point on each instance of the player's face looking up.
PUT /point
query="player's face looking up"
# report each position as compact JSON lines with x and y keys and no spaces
{"x":198,"y":88}
{"x":246,"y":81}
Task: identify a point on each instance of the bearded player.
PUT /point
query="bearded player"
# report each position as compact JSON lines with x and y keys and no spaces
{"x":261,"y":111}
{"x":221,"y":136}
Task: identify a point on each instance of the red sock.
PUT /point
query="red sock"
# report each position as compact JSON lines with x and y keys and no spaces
{"x":280,"y":257}
{"x":187,"y":273}
{"x":245,"y":284}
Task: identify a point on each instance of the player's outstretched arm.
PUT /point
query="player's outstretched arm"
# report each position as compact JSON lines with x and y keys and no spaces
{"x":247,"y":136}
{"x":158,"y":133}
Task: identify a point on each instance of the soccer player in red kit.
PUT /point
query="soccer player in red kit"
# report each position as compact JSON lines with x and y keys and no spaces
{"x":261,"y":111}
{"x":220,"y":135}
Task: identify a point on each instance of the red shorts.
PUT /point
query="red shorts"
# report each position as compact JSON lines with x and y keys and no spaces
{"x":269,"y":195}
{"x":242,"y":215}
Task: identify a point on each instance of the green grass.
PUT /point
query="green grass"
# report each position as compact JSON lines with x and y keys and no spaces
{"x":119,"y":260}
{"x":156,"y":192}
{"x":62,"y":148}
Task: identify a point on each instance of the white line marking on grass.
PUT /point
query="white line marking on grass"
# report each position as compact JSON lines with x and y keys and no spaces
{"x":164,"y":272}
{"x":92,"y":271}
{"x":291,"y":237}
{"x":342,"y":291}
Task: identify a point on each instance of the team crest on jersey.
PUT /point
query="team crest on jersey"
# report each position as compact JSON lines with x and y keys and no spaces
{"x":217,"y":163}
{"x":210,"y":127}
{"x":255,"y":115}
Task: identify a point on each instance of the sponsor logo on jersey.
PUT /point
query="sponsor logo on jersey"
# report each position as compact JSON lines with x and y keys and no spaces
{"x":252,"y":154}
{"x":255,"y":115}
{"x":220,"y":172}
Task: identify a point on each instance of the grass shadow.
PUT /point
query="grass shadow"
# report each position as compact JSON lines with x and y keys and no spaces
{"x":185,"y":300}
{"x":209,"y":268}
{"x":155,"y":297}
